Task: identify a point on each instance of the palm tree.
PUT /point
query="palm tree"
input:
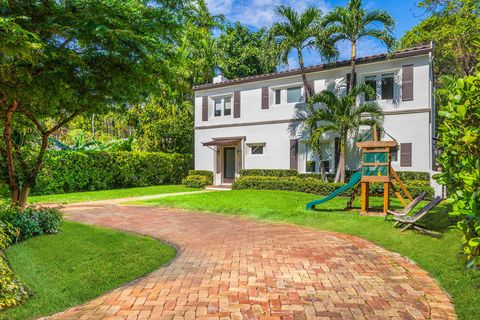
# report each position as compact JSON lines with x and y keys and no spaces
{"x":203,"y":18}
{"x":297,"y":32}
{"x":352,"y":23}
{"x":331,"y":113}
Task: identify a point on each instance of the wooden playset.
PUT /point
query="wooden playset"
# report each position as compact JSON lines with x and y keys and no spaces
{"x":376,"y":168}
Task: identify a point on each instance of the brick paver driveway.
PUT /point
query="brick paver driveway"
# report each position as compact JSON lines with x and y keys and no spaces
{"x":232,"y":268}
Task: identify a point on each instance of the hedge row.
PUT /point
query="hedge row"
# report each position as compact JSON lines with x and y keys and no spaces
{"x":198,"y":178}
{"x":404,"y":175}
{"x":315,"y":186}
{"x":70,"y":171}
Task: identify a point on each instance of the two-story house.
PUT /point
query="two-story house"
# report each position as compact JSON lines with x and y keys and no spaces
{"x":256,"y":122}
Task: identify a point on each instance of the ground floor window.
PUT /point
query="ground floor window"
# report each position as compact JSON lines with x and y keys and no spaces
{"x":257,"y":148}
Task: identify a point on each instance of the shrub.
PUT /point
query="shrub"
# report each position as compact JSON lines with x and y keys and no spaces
{"x":7,"y":234}
{"x":459,"y":137}
{"x":269,"y":172}
{"x":50,"y":220}
{"x":316,"y":186}
{"x":413,"y":175}
{"x":70,"y":171}
{"x":196,"y":181}
{"x":31,"y":221}
{"x":12,"y":292}
{"x":206,"y":173}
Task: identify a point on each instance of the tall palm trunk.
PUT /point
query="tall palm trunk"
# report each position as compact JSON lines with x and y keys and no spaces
{"x":304,"y":77}
{"x":353,"y":76}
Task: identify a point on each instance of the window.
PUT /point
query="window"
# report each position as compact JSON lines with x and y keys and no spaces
{"x":371,"y":81}
{"x":256,"y":149}
{"x":294,"y":95}
{"x":387,"y":86}
{"x":227,"y":108}
{"x":278,"y":96}
{"x":394,"y":154}
{"x":217,"y":107}
{"x":222,"y":106}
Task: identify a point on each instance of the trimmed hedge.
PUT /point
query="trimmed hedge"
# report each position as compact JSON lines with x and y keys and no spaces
{"x":198,"y":178}
{"x":269,"y":172}
{"x":404,"y":175}
{"x":71,"y":171}
{"x":316,"y":186}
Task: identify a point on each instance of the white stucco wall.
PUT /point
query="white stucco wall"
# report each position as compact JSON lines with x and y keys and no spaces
{"x":406,"y":121}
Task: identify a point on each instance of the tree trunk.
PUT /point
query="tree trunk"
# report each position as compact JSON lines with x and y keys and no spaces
{"x":304,"y":77}
{"x":353,"y":76}
{"x":321,"y":166}
{"x":7,"y":137}
{"x":343,"y":157}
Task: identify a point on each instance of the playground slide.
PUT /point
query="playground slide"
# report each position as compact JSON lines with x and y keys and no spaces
{"x":354,"y":179}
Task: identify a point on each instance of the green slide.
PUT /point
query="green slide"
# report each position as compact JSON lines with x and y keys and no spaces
{"x":354,"y":179}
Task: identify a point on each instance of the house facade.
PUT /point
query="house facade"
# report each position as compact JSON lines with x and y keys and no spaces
{"x":257,"y":122}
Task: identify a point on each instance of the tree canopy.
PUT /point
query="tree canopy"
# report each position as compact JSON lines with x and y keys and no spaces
{"x":452,"y":28}
{"x":80,"y":56}
{"x":243,"y":52}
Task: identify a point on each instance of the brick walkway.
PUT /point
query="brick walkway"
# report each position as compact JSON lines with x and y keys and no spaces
{"x":231,"y":268}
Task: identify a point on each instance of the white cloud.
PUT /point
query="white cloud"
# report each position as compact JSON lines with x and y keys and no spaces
{"x":259,"y":13}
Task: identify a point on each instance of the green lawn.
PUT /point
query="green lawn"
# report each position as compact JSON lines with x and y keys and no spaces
{"x":79,"y":264}
{"x":108,"y":194}
{"x":436,"y":255}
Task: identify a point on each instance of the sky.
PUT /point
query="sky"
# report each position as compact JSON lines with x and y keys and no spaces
{"x":259,"y":13}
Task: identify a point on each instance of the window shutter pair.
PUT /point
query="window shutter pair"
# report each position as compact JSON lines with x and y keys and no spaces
{"x":236,"y":106}
{"x":407,"y":82}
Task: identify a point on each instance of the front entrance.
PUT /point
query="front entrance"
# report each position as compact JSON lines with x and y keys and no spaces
{"x":228,"y":164}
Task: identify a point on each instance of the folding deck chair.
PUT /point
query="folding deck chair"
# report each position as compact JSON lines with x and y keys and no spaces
{"x":410,"y":222}
{"x":405,"y":211}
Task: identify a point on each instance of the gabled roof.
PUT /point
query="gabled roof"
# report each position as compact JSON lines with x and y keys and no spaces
{"x":410,"y":52}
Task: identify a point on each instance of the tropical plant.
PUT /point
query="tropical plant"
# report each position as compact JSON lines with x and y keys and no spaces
{"x":352,"y":23}
{"x":459,"y":142}
{"x":298,"y":32}
{"x":65,"y":58}
{"x":328,"y":112}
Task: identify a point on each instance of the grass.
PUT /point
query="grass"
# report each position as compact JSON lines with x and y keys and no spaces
{"x":439,"y":256}
{"x":79,"y":264}
{"x":108,"y":194}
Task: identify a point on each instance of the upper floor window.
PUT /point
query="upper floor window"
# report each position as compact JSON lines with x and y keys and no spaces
{"x":222,"y":106}
{"x":387,"y":86}
{"x":294,"y":95}
{"x":385,"y":89}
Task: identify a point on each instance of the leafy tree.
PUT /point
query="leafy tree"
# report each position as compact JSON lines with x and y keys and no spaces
{"x":162,"y":127}
{"x":353,"y":23}
{"x":297,"y":32}
{"x":452,"y":30}
{"x":80,"y":56}
{"x":459,"y":141}
{"x":331,"y":113}
{"x":243,"y":53}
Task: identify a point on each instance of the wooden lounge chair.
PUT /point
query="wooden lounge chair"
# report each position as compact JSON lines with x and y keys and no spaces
{"x":410,"y":222}
{"x":405,"y":211}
